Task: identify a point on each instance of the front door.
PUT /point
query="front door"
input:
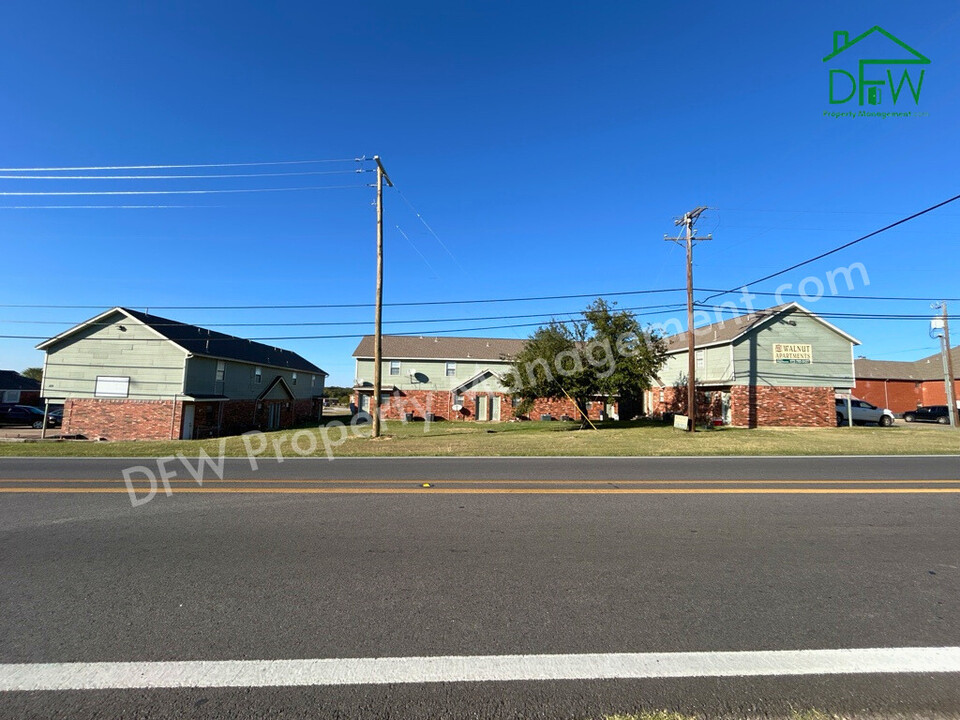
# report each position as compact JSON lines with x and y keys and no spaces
{"x":273,"y":416}
{"x":188,"y":410}
{"x":482,"y":407}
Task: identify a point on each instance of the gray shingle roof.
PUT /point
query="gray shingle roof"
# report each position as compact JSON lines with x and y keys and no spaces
{"x":12,"y":380}
{"x":200,"y":341}
{"x":725,"y":331}
{"x":207,"y":343}
{"x":441,"y":348}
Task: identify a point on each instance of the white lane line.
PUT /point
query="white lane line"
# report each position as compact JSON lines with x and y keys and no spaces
{"x":480,"y":668}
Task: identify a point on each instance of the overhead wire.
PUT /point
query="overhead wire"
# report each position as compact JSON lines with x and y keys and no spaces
{"x":836,"y":249}
{"x":173,"y":167}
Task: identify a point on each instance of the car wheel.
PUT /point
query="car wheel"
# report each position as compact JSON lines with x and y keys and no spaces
{"x":909,"y":417}
{"x":38,"y":425}
{"x":885,"y":421}
{"x":943,"y":420}
{"x":840,"y":420}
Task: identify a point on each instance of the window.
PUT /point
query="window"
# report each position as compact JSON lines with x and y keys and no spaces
{"x":293,"y":379}
{"x":700,"y":360}
{"x":394,"y":367}
{"x":116,"y":387}
{"x":313,"y":381}
{"x":221,"y":368}
{"x":451,"y":369}
{"x":457,"y":399}
{"x":661,"y":396}
{"x":258,"y":376}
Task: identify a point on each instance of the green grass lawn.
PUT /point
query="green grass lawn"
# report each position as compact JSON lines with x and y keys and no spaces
{"x":535,"y":438}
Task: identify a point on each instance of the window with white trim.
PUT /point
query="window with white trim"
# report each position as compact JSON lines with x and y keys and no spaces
{"x":451,"y":369}
{"x":293,"y":379}
{"x":313,"y":381}
{"x":394,"y":367}
{"x":700,"y":360}
{"x":221,"y":370}
{"x":258,"y":375}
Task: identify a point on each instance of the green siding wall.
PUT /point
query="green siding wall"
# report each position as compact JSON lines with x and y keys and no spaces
{"x":239,"y":380}
{"x":832,"y":364}
{"x":154,"y":366}
{"x":717,"y":367}
{"x":432,"y":374}
{"x":753,"y":357}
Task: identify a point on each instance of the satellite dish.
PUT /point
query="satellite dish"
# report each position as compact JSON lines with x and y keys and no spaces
{"x":457,"y":408}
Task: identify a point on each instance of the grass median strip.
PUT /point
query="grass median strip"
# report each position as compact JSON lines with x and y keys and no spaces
{"x":640,"y":438}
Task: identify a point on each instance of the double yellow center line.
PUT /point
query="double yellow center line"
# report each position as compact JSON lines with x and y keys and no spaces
{"x":393,"y":486}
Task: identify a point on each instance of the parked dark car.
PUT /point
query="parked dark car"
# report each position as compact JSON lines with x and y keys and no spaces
{"x":21,"y":415}
{"x":934,"y":413}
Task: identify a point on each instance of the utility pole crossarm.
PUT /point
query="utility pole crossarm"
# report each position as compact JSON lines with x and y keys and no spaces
{"x":381,"y":171}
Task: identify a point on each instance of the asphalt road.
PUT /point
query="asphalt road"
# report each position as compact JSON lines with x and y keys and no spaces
{"x":322,"y":559}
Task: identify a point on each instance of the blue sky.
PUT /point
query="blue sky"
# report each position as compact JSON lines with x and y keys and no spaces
{"x":548,"y":147}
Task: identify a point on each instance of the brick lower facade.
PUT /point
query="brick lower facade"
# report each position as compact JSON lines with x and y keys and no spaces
{"x":766,"y":406}
{"x":96,"y":418}
{"x":440,"y":404}
{"x":126,"y":419}
{"x":754,"y":405}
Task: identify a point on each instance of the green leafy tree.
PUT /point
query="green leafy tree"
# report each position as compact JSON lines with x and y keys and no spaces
{"x":607,"y":354}
{"x":635,"y":356}
{"x":34,"y":373}
{"x":341,"y":394}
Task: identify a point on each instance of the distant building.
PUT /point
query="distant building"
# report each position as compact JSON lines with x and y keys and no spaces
{"x":17,"y":389}
{"x":451,"y":378}
{"x":902,"y":386}
{"x":782,"y":366}
{"x":127,"y":375}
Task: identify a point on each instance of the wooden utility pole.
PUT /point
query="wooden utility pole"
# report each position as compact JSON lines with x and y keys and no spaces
{"x":688,"y":220}
{"x":948,"y":367}
{"x":378,"y":312}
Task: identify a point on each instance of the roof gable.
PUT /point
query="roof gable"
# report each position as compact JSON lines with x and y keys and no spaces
{"x":728,"y":331}
{"x":201,"y":341}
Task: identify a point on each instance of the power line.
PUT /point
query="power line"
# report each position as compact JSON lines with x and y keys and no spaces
{"x":177,"y":192}
{"x":409,"y":333}
{"x":341,"y":306}
{"x":427,"y":303}
{"x":828,"y":297}
{"x":200,"y":176}
{"x":427,"y":226}
{"x":338,"y":323}
{"x":838,"y":248}
{"x":431,"y":332}
{"x":194,"y":165}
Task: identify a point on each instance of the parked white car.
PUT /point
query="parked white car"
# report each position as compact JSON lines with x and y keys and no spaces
{"x":863,"y":413}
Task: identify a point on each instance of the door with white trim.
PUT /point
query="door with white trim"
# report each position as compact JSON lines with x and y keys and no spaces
{"x":188,"y":414}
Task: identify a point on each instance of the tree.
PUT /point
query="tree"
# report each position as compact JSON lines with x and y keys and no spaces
{"x":608,"y":354}
{"x":638,"y":355}
{"x":341,"y":394}
{"x":34,"y":373}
